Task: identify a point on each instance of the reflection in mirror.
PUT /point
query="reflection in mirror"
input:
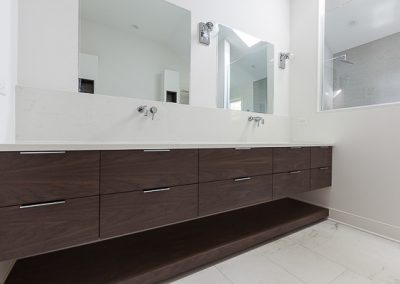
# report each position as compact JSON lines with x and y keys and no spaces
{"x":245,"y":72}
{"x":135,"y":48}
{"x":361,"y":63}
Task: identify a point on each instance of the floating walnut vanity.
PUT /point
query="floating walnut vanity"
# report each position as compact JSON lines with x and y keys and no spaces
{"x":201,"y":205}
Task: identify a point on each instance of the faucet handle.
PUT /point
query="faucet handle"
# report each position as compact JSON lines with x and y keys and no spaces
{"x":153,"y":111}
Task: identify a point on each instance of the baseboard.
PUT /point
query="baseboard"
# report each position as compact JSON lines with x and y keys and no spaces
{"x":375,"y":227}
{"x":5,"y":269}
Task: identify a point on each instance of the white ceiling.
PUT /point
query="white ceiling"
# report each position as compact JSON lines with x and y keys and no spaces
{"x":350,"y":23}
{"x":157,"y":20}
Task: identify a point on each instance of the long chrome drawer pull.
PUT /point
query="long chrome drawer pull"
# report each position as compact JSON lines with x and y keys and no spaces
{"x":243,"y":148}
{"x":296,"y":147}
{"x":324,"y":169}
{"x":295,"y":173}
{"x":42,"y":153}
{"x":42,"y":204}
{"x":243,"y":179}
{"x":156,"y":190}
{"x":157,"y":150}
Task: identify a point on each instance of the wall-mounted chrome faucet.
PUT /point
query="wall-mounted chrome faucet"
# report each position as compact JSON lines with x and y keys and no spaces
{"x":148,"y":111}
{"x":257,"y":119}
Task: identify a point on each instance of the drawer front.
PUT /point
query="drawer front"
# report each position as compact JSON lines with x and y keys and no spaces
{"x":125,"y":213}
{"x":125,"y":171}
{"x":215,"y":197}
{"x":222,"y":164}
{"x":287,"y":184}
{"x":37,"y":229}
{"x":291,"y":159}
{"x":321,"y":157}
{"x":321,"y":178}
{"x":37,"y":177}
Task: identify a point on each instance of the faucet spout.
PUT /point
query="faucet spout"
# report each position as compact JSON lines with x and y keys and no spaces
{"x":257,"y":119}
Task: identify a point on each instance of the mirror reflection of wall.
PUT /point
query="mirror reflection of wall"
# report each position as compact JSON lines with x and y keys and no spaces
{"x":135,"y":48}
{"x":245,"y":72}
{"x":361,"y":64}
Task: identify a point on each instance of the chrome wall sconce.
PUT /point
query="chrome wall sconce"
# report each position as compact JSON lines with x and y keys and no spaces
{"x":283,"y":57}
{"x":205,"y":30}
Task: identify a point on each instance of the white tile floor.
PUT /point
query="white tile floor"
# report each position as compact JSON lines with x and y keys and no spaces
{"x":324,"y":253}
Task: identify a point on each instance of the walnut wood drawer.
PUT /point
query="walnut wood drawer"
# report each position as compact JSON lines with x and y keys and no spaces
{"x":40,"y":228}
{"x":321,"y":157}
{"x":30,"y":177}
{"x":291,"y":159}
{"x":125,"y":171}
{"x":321,"y":178}
{"x":220,"y":196}
{"x":125,"y":213}
{"x":222,"y":164}
{"x":287,"y":184}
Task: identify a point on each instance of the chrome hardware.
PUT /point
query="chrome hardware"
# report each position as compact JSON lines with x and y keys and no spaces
{"x":295,"y":173}
{"x":156,"y":190}
{"x":293,"y":148}
{"x":242,"y":148}
{"x":283,"y":57}
{"x":324,"y":168}
{"x":243,"y":179}
{"x":42,"y":204}
{"x":148,"y":111}
{"x":257,"y":119}
{"x":42,"y":153}
{"x":205,"y":30}
{"x":153,"y":111}
{"x":143,"y":109}
{"x":156,"y":150}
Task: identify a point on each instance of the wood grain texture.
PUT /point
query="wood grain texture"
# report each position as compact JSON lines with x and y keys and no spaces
{"x":321,"y":157}
{"x":156,"y":255}
{"x":321,"y":178}
{"x":45,"y":177}
{"x":124,"y":171}
{"x":25,"y":232}
{"x":222,"y":164}
{"x":124,"y":213}
{"x":291,"y":159}
{"x":288,"y":184}
{"x":220,"y":196}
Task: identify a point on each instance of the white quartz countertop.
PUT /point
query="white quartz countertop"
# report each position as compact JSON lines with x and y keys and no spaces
{"x":143,"y":146}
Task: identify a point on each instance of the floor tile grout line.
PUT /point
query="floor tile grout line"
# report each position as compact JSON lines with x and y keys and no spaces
{"x":223,"y":274}
{"x":277,"y":264}
{"x":336,"y":278}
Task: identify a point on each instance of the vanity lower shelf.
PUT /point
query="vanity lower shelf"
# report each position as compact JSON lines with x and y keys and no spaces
{"x":159,"y":254}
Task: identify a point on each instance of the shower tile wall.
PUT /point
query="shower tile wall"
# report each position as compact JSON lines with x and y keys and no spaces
{"x":374,"y":76}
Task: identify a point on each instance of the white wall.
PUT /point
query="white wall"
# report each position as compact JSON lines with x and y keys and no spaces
{"x":365,"y":190}
{"x":129,"y":65}
{"x":8,"y":21}
{"x":51,"y":52}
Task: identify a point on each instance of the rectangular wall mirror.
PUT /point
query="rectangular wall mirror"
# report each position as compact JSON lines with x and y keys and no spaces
{"x":135,"y":48}
{"x":245,"y":72}
{"x":361,"y":58}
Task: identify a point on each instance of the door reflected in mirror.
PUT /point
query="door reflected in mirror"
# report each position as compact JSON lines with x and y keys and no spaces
{"x":135,"y":48}
{"x":245,"y":72}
